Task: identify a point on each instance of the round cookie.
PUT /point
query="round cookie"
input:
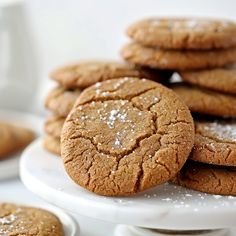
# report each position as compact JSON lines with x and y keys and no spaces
{"x":53,"y":126}
{"x":52,"y":145}
{"x":184,"y":33}
{"x":205,"y":101}
{"x":219,"y":79}
{"x":13,"y":139}
{"x":84,"y":74}
{"x":60,"y":101}
{"x":207,"y":178}
{"x":22,"y":220}
{"x":177,"y":59}
{"x":215,"y":143}
{"x":126,"y":135}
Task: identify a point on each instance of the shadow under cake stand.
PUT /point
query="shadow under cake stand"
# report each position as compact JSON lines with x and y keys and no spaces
{"x":164,"y":210}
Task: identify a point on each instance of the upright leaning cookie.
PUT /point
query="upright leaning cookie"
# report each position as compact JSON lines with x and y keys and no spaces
{"x":215,"y":143}
{"x":84,"y":74}
{"x":205,"y":101}
{"x":126,"y":135}
{"x":219,"y":79}
{"x":177,"y":59}
{"x":22,"y":220}
{"x":207,"y":178}
{"x":184,"y":33}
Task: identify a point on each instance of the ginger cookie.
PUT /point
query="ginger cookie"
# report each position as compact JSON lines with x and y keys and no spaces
{"x":84,"y":74}
{"x":207,"y":178}
{"x":184,"y":33}
{"x":13,"y":139}
{"x":52,"y":144}
{"x":53,"y":126}
{"x":22,"y":220}
{"x":177,"y":59}
{"x":205,"y":101}
{"x":126,"y":135}
{"x":215,"y":143}
{"x":60,"y":101}
{"x":219,"y":79}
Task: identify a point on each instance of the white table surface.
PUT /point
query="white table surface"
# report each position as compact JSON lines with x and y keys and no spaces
{"x":14,"y":191}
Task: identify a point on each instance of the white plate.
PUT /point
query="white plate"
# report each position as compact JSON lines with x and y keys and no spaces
{"x":167,"y":206}
{"x":9,"y":167}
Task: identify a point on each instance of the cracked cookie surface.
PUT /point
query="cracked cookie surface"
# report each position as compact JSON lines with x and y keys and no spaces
{"x":126,"y":135}
{"x":207,"y":178}
{"x":206,"y":101}
{"x":22,"y":220}
{"x":60,"y":100}
{"x":219,"y":79}
{"x":184,"y":33}
{"x":13,"y":138}
{"x":215,"y":143}
{"x":177,"y":59}
{"x":85,"y":74}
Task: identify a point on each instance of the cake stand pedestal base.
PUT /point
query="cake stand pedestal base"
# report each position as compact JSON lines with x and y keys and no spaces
{"x":127,"y":230}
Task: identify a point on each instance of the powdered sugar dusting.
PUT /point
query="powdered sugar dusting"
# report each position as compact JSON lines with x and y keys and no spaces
{"x":222,"y":131}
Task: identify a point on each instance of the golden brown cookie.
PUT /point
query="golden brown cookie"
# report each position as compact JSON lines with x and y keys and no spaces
{"x":207,"y":178}
{"x":184,"y":33}
{"x":13,"y":139}
{"x":52,"y":145}
{"x":22,"y":220}
{"x":215,"y":143}
{"x":219,"y":79}
{"x":60,"y":101}
{"x":126,"y":135}
{"x":84,"y":74}
{"x":177,"y":59}
{"x":53,"y":126}
{"x":205,"y":101}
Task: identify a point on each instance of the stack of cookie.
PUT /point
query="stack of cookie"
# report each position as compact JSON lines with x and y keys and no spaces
{"x":73,"y":79}
{"x":203,"y":52}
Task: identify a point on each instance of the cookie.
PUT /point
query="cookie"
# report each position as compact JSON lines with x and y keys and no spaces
{"x":84,"y":74}
{"x":126,"y":135}
{"x":53,"y":126}
{"x":23,"y":220}
{"x":207,"y":178}
{"x":184,"y":33}
{"x":13,"y":139}
{"x":215,"y":143}
{"x":219,"y":79}
{"x":177,"y":59}
{"x":205,"y":101}
{"x":60,"y":101}
{"x":52,"y":145}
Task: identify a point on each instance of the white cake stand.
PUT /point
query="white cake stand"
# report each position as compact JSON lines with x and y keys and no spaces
{"x":149,"y":213}
{"x":9,"y":167}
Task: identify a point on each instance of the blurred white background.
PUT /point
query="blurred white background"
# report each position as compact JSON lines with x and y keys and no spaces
{"x":68,"y":30}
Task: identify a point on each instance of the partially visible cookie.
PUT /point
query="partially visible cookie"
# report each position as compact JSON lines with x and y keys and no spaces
{"x":184,"y":33}
{"x":52,"y":144}
{"x":219,"y":79}
{"x":60,"y":101}
{"x":177,"y":59}
{"x":84,"y":74}
{"x":205,"y":101}
{"x":207,"y":178}
{"x":53,"y":126}
{"x":22,"y":220}
{"x":13,"y":139}
{"x":215,"y":143}
{"x":126,"y":135}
